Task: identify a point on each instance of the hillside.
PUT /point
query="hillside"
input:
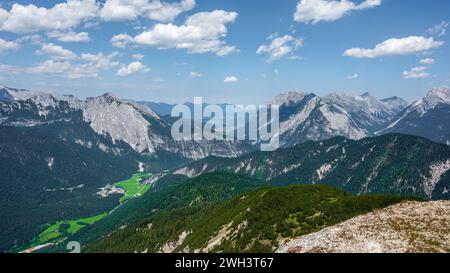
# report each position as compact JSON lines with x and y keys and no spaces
{"x":253,"y":222}
{"x":389,"y":164}
{"x":171,"y":193}
{"x":403,"y":228}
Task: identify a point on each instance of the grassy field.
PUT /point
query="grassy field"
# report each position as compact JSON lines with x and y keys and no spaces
{"x":133,"y":187}
{"x":60,"y":230}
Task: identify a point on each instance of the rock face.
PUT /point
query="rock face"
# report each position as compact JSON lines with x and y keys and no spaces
{"x":428,"y":117}
{"x":123,"y":121}
{"x":306,"y":117}
{"x":368,"y":110}
{"x":408,"y":227}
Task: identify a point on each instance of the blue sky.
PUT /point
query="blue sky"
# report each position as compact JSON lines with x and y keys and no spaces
{"x":225,"y":50}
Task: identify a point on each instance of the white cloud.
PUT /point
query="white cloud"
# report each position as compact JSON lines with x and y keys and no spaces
{"x":56,"y":52}
{"x":62,"y":16}
{"x":64,"y":69}
{"x":8,"y":45}
{"x":427,"y":61}
{"x":8,"y":69}
{"x":296,"y":58}
{"x":314,"y":11}
{"x":122,"y":40}
{"x":121,"y":10}
{"x":132,"y":68}
{"x":201,"y":33}
{"x":352,"y":77}
{"x":230,"y":79}
{"x":404,"y":46}
{"x":101,"y":61}
{"x":194,"y":74}
{"x":439,"y":30}
{"x":280,"y":47}
{"x":86,"y":66}
{"x":419,"y":72}
{"x":70,"y":37}
{"x":138,"y":57}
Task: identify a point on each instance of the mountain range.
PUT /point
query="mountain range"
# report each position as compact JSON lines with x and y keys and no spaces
{"x":57,"y":152}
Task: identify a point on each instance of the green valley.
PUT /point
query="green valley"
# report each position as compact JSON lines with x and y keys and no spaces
{"x":61,"y":230}
{"x":134,"y":187}
{"x":58,"y":232}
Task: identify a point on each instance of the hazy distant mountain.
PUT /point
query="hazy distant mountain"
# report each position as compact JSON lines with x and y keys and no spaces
{"x":161,"y":108}
{"x":428,"y":117}
{"x":165,"y":109}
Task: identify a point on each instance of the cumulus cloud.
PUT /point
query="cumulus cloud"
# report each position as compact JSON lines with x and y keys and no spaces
{"x":56,"y":52}
{"x":427,"y":61}
{"x":9,"y":69}
{"x":439,"y":30}
{"x":194,"y":74}
{"x":352,"y":77}
{"x":64,"y":69}
{"x":419,"y":72}
{"x":70,"y":37}
{"x":404,"y":46}
{"x":138,"y":57}
{"x":201,"y":33}
{"x":121,"y":10}
{"x":132,"y":68}
{"x":314,"y":11}
{"x":122,"y":40}
{"x":230,"y":79}
{"x":280,"y":47}
{"x":63,"y":16}
{"x":101,"y":61}
{"x":86,"y":66}
{"x":8,"y":45}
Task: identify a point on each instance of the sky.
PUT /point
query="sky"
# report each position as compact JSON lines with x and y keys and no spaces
{"x":230,"y":51}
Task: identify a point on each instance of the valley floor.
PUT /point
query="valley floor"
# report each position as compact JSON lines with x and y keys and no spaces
{"x":58,"y":232}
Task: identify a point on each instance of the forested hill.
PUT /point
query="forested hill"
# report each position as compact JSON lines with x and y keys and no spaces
{"x":389,"y":164}
{"x":253,"y":222}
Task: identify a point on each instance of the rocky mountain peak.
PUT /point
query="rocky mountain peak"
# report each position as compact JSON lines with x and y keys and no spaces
{"x":289,"y":98}
{"x":439,"y":95}
{"x":107,"y":98}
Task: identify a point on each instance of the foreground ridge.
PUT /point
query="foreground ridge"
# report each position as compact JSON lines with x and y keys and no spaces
{"x":408,"y":227}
